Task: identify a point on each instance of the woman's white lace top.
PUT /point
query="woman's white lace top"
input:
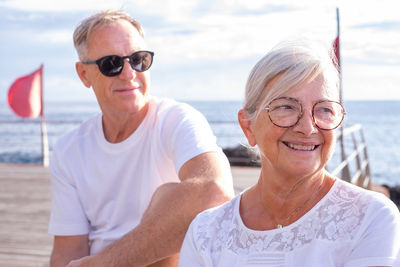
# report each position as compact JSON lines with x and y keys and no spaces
{"x":350,"y":226}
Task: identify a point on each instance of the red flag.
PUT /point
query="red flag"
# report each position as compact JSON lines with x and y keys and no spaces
{"x":25,"y":95}
{"x":336,"y":49}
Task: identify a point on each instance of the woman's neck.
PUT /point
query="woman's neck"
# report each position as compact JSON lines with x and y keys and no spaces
{"x":289,"y":188}
{"x":282,"y":200}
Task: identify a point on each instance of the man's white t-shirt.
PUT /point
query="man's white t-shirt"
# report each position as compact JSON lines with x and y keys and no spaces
{"x":102,"y":189}
{"x":349,"y":227}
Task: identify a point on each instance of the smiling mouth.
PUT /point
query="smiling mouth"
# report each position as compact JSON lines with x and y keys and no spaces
{"x":129,"y":91}
{"x":125,"y":90}
{"x":301,"y":147}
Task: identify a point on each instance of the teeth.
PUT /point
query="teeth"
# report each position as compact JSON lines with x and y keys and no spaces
{"x":301,"y":147}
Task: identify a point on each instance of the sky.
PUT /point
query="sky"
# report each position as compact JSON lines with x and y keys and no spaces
{"x":205,"y":49}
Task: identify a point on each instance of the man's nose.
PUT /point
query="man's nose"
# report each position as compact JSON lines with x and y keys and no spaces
{"x":127,"y":72}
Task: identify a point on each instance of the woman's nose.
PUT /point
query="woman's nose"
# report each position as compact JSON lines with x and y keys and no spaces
{"x":306,"y":124}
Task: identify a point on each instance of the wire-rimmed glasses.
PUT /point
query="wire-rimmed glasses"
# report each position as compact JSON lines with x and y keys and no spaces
{"x":286,"y":112}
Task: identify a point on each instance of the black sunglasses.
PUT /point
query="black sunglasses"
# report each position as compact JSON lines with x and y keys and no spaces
{"x":112,"y":65}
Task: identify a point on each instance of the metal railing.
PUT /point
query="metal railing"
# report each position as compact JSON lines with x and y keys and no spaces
{"x":361,"y":176}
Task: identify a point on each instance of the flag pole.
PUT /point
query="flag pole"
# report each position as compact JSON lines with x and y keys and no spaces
{"x":338,"y":57}
{"x":346,"y":170}
{"x":45,"y":142}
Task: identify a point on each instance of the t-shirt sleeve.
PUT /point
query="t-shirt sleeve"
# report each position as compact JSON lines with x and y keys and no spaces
{"x":379,"y":242}
{"x":67,"y":215}
{"x":188,"y":134}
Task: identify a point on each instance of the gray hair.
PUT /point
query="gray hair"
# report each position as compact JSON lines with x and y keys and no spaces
{"x":88,"y":25}
{"x":291,"y":63}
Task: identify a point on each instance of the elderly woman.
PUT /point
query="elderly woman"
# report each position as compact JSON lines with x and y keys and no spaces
{"x":297,"y":214}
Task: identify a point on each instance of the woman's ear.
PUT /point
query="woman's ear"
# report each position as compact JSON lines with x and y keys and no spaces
{"x":82,"y":73}
{"x":245,"y":124}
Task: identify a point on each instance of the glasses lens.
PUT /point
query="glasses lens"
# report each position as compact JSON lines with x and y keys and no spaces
{"x":141,"y":60}
{"x":328,"y":115}
{"x":284,"y":112}
{"x":111,"y":65}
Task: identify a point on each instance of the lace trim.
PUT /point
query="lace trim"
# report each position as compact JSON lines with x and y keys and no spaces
{"x":336,"y":216}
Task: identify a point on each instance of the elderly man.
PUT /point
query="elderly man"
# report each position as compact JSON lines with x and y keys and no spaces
{"x":127,"y":182}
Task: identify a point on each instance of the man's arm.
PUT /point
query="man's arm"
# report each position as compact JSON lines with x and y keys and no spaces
{"x":206,"y":182}
{"x":68,"y":248}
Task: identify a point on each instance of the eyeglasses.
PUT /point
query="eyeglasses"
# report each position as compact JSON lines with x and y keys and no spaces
{"x":112,"y":65}
{"x":286,"y":112}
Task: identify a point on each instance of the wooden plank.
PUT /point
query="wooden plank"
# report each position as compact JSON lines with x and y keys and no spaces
{"x":25,"y":208}
{"x":24,"y":214}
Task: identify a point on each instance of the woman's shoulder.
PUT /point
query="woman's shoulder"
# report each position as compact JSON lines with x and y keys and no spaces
{"x":214,"y":215}
{"x":212,"y":222}
{"x":364,"y":206}
{"x":211,"y":229}
{"x":345,"y":190}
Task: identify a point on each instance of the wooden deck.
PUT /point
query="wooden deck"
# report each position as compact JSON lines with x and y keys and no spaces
{"x":25,"y":209}
{"x":24,"y":215}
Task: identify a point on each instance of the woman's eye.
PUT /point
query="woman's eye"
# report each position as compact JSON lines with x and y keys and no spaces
{"x":285,"y":107}
{"x":328,"y":110}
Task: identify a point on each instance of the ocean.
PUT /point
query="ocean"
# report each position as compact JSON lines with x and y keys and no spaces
{"x":20,"y":138}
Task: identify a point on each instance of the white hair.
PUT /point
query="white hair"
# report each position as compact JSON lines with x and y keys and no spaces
{"x":88,"y":25}
{"x":291,"y":63}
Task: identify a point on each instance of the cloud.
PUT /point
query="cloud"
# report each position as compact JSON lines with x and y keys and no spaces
{"x":368,"y":82}
{"x":214,"y":40}
{"x":225,"y":35}
{"x":385,"y":26}
{"x":69,"y":87}
{"x":55,"y":37}
{"x":64,"y":5}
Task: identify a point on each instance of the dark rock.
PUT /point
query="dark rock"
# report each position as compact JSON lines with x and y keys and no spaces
{"x":243,"y":156}
{"x":394,"y":194}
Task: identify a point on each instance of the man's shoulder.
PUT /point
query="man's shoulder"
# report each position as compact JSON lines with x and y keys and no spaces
{"x":167,"y":111}
{"x":164,"y":104}
{"x":76,"y":135}
{"x":167,"y":107}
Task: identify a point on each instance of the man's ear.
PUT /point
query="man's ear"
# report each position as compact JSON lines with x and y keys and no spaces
{"x":245,"y":124}
{"x":82,"y":73}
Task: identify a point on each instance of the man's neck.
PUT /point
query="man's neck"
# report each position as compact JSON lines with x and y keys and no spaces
{"x":118,"y":127}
